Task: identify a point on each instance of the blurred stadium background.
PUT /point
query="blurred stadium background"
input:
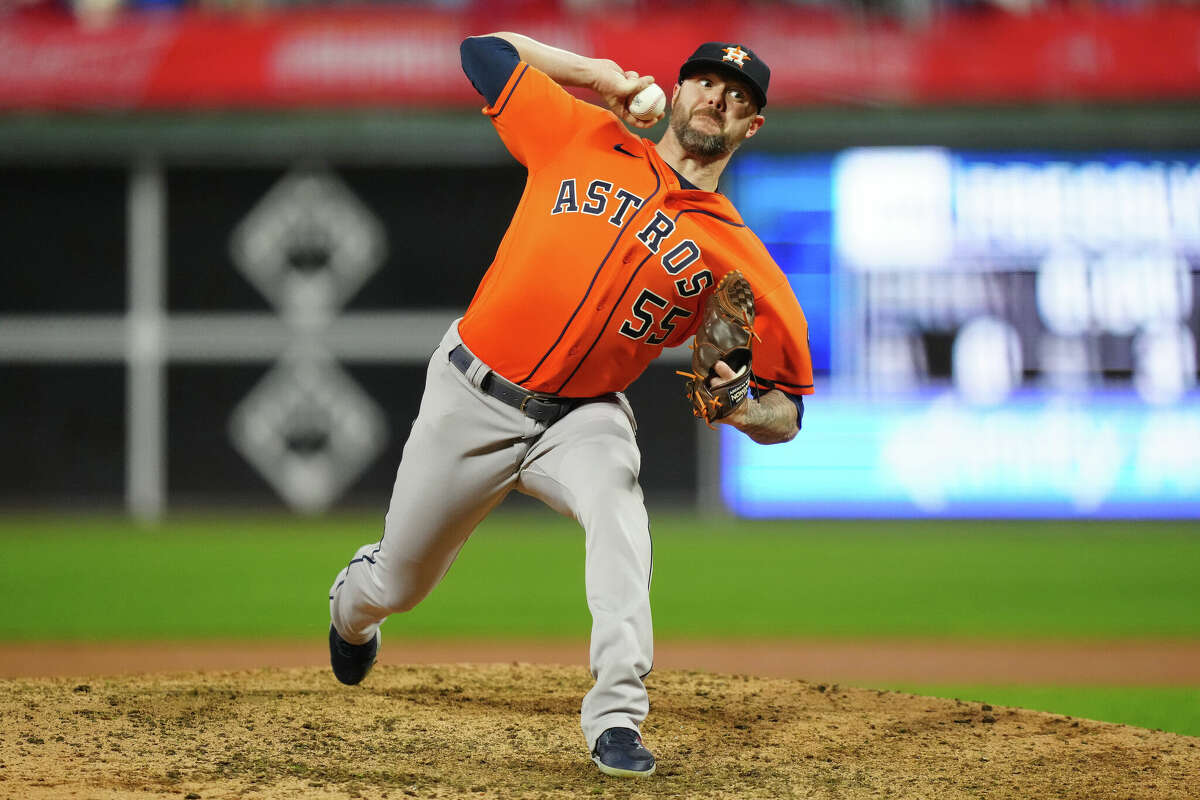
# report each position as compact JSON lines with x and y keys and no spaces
{"x":235,"y":230}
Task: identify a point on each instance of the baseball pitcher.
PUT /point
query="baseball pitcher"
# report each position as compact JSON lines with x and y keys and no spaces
{"x":619,"y":247}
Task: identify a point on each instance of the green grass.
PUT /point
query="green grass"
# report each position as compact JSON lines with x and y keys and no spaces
{"x":1164,"y":708}
{"x":95,"y":578}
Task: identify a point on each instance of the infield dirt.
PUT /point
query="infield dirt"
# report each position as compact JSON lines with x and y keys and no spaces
{"x":512,"y":731}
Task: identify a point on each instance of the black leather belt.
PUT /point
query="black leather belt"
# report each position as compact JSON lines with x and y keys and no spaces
{"x":546,"y":409}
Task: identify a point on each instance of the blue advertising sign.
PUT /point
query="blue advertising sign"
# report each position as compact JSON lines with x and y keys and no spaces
{"x":994,"y":334}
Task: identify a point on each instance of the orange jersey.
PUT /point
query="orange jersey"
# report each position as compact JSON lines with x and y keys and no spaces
{"x":607,"y":260}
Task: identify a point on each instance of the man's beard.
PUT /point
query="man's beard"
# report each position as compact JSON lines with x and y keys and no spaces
{"x":704,"y":145}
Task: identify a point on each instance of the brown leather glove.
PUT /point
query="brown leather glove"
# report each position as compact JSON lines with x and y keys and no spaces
{"x":725,"y":333}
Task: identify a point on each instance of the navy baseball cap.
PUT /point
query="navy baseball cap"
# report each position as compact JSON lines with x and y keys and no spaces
{"x":731,"y":58}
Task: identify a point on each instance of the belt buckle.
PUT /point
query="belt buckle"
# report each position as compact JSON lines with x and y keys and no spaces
{"x":526,"y":399}
{"x":551,"y":404}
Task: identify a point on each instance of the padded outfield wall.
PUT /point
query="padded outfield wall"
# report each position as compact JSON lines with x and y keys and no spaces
{"x":207,"y":302}
{"x":132,"y":291}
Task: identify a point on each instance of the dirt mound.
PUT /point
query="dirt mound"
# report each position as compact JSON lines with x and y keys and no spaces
{"x":512,"y":731}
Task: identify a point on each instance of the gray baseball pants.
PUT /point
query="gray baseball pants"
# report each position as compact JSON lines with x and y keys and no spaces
{"x":466,"y":452}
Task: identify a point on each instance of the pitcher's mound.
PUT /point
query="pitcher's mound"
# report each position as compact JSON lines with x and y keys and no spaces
{"x":512,"y":731}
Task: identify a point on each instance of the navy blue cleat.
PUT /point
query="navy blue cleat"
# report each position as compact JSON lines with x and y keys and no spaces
{"x":620,"y":752}
{"x":351,"y":662}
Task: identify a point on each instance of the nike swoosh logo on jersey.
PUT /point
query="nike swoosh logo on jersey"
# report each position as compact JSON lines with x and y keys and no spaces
{"x":620,"y":148}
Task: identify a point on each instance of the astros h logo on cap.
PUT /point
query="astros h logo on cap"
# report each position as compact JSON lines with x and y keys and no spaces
{"x":736,"y":54}
{"x":734,"y":59}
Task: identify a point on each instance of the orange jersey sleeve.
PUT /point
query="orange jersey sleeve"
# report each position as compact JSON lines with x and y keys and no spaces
{"x":783,"y":356}
{"x":536,"y":118}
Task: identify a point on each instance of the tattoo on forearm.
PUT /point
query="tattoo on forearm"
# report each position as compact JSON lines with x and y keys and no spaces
{"x":769,"y":420}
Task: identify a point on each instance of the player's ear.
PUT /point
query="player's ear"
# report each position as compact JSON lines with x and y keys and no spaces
{"x":756,"y":123}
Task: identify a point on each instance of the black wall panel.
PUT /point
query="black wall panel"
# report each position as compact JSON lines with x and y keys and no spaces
{"x":63,"y":239}
{"x":443,"y":227}
{"x":63,"y":435}
{"x":64,"y":423}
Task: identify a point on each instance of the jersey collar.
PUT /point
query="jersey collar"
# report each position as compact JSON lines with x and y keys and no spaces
{"x":709,"y":202}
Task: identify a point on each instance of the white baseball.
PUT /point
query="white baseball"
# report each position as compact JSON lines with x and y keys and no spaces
{"x":648,"y":103}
